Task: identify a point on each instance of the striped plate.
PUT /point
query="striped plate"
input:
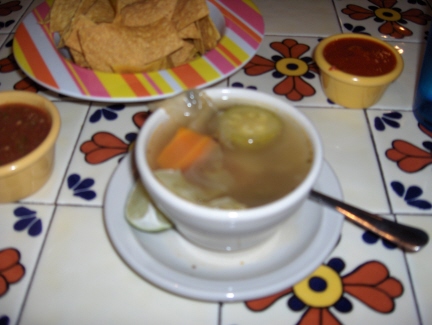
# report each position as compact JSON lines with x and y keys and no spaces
{"x":241,"y":26}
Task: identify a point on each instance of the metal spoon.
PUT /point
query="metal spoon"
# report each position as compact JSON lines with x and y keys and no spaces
{"x":409,"y":238}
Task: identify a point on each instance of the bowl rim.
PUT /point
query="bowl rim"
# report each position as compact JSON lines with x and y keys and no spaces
{"x":35,"y":100}
{"x":325,"y":67}
{"x":214,"y":214}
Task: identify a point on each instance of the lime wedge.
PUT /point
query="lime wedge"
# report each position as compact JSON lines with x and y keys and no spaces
{"x":142,"y":214}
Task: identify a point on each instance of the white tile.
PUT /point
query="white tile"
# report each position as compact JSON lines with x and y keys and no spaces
{"x":81,"y":280}
{"x":288,"y":17}
{"x":349,"y":150}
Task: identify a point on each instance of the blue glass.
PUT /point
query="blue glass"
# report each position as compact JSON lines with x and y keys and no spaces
{"x":423,"y":97}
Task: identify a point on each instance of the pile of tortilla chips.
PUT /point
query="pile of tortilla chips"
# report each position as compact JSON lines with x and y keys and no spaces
{"x":128,"y":36}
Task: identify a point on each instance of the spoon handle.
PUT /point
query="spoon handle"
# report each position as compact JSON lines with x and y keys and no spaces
{"x":409,"y":238}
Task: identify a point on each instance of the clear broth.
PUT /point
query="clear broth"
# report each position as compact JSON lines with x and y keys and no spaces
{"x":260,"y":176}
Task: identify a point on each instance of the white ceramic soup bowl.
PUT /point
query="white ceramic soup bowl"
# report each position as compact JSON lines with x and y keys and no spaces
{"x":219,"y":229}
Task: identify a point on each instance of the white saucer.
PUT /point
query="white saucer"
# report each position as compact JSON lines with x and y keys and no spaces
{"x":169,"y":261}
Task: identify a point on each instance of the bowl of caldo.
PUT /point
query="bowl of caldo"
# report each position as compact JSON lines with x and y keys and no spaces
{"x":231,"y":169}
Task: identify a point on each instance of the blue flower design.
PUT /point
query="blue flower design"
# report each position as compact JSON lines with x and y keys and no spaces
{"x":6,"y":24}
{"x":371,"y":238}
{"x":27,"y":219}
{"x":387,"y":118}
{"x":131,"y":137}
{"x":4,"y":320}
{"x":80,"y":187}
{"x":355,"y":29}
{"x":319,"y":284}
{"x":411,"y":195}
{"x":420,"y":2}
{"x":240,"y":85}
{"x":109,"y":112}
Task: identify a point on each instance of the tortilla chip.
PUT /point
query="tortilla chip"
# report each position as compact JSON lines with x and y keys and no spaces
{"x":143,"y":13}
{"x":83,"y":7}
{"x":125,"y":36}
{"x":188,"y":11}
{"x":79,"y":58}
{"x":209,"y":33}
{"x":61,"y":14}
{"x":101,"y":12}
{"x":111,"y":45}
{"x":189,"y":32}
{"x":71,"y":40}
{"x":183,"y":55}
{"x":118,"y":5}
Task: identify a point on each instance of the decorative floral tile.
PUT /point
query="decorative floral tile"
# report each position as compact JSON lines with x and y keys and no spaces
{"x":81,"y":280}
{"x":108,"y":133}
{"x":350,"y":152}
{"x":390,"y":20}
{"x":287,"y":17}
{"x":404,"y":150}
{"x":23,"y":230}
{"x":72,"y":118}
{"x":11,"y":13}
{"x":371,"y":286}
{"x":284,"y":67}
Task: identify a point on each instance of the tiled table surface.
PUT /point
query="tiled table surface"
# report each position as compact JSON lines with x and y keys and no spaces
{"x":383,"y":161}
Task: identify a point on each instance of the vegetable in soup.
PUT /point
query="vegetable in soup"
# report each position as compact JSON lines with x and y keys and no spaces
{"x":242,"y":156}
{"x":22,"y":129}
{"x":360,"y":57}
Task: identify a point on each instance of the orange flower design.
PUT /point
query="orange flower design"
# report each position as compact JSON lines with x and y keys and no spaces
{"x":8,"y":64}
{"x":391,"y":17}
{"x":11,"y":270}
{"x":409,"y":157}
{"x":290,"y":66}
{"x":370,"y":283}
{"x":104,"y":145}
{"x":9,"y":7}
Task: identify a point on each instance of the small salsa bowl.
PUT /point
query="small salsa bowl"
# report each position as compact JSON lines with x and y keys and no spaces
{"x":24,"y":176}
{"x":224,"y":229}
{"x":361,"y":88}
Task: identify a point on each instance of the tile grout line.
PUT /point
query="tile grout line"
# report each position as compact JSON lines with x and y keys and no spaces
{"x":384,"y":182}
{"x":392,"y":213}
{"x":36,"y":265}
{"x":72,"y":154}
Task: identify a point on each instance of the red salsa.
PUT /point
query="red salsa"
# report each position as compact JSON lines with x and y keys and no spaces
{"x":22,"y":129}
{"x":359,"y":57}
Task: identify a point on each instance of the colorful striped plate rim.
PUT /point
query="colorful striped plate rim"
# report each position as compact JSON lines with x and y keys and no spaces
{"x":36,"y":54}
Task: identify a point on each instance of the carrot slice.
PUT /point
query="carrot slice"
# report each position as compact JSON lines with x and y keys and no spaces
{"x":186,"y":147}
